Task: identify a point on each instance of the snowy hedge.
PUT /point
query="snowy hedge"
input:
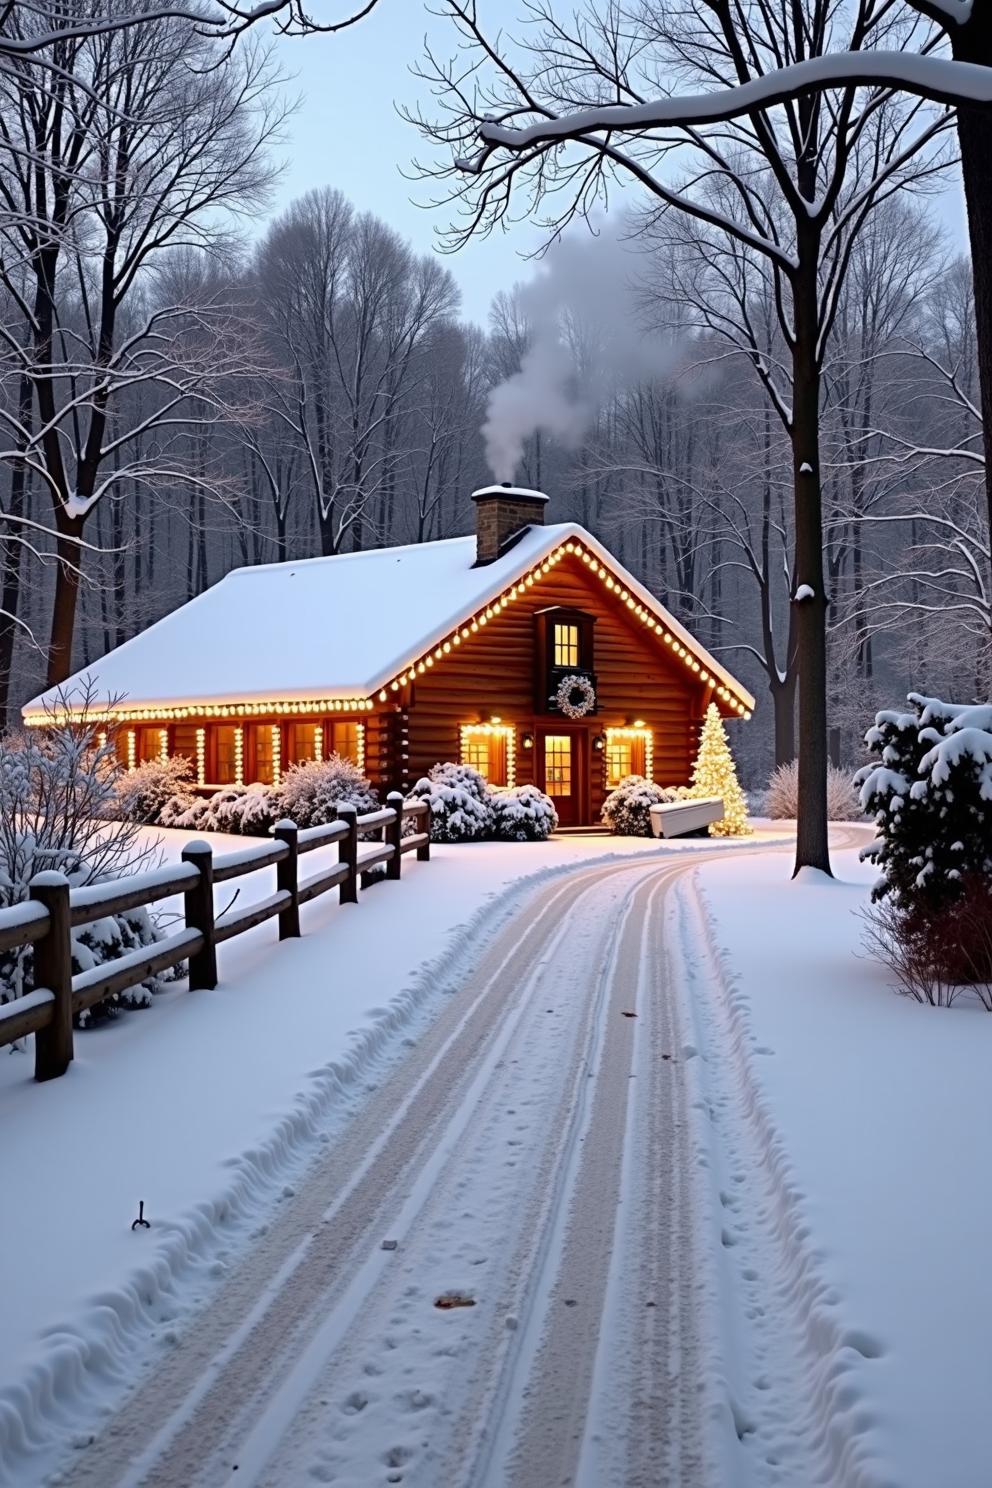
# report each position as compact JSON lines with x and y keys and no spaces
{"x":627,"y":809}
{"x":140,"y":794}
{"x":309,"y":795}
{"x":466,"y":808}
{"x":930,"y":792}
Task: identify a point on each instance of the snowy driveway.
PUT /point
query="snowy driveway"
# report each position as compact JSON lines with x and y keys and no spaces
{"x":531,"y":1157}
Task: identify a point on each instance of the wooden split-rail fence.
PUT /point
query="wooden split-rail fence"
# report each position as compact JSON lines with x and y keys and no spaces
{"x":47,"y":918}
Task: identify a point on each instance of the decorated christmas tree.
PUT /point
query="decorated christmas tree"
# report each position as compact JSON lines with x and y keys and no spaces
{"x":715,"y":774}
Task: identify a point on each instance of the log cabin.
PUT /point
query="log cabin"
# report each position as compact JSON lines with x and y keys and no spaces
{"x":525,"y":650}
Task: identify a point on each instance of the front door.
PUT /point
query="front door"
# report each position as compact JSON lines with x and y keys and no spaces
{"x":561,"y":771}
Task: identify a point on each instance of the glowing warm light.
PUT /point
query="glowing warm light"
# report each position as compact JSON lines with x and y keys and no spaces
{"x":636,"y":731}
{"x":276,"y":733}
{"x":715,"y":774}
{"x":179,"y":712}
{"x":318,"y":742}
{"x":239,"y":756}
{"x":506,"y":732}
{"x":201,"y":755}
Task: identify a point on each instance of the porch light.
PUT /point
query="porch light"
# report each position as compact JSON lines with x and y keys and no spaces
{"x":527,"y":741}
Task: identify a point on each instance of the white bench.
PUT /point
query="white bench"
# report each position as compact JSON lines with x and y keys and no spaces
{"x":676,"y":817}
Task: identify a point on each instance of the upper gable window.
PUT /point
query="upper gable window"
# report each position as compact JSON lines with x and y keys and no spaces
{"x":565,"y":644}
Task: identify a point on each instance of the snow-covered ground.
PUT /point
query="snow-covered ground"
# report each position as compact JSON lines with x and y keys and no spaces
{"x":738,"y":1240}
{"x":855,"y":1273}
{"x":210,"y":1107}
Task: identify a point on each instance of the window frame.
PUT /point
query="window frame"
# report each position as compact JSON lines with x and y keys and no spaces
{"x":637,"y":742}
{"x":500,"y":751}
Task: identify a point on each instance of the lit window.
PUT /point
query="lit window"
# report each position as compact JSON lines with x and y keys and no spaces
{"x":225,"y":754}
{"x":265,"y":754}
{"x":628,"y":752}
{"x":477,"y":753}
{"x":150,"y":744}
{"x":619,"y":765}
{"x":302,"y":742}
{"x":489,"y":749}
{"x":558,"y":764}
{"x":566,"y":645}
{"x":342,"y":739}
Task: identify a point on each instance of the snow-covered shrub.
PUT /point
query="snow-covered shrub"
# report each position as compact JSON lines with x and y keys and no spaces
{"x":461,"y":808}
{"x":782,"y":796}
{"x":185,"y":813}
{"x":937,"y":953}
{"x":57,"y":793}
{"x":930,"y":792}
{"x":311,"y":792}
{"x":522,"y":813}
{"x":247,"y":810}
{"x":141,"y":793}
{"x":627,"y":810}
{"x":105,"y":940}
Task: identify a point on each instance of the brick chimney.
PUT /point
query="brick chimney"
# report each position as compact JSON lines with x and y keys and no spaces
{"x":501,"y":514}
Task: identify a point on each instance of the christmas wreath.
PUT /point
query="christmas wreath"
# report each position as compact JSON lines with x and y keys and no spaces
{"x":576,"y":696}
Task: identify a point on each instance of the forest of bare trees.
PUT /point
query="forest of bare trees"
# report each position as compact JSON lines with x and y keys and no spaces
{"x":189,"y":381}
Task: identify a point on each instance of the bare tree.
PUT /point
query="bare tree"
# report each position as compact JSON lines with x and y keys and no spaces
{"x":139,"y":144}
{"x":352,"y":311}
{"x":221,"y":19}
{"x":789,"y":188}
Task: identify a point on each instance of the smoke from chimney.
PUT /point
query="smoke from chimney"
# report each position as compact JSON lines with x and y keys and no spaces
{"x":587,"y":333}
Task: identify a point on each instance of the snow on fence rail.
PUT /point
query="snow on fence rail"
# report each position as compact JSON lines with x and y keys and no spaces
{"x":46,"y":920}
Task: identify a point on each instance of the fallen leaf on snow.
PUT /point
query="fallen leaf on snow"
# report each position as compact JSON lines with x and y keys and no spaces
{"x":454,"y":1299}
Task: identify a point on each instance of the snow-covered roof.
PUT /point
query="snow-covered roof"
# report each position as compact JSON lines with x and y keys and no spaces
{"x":340,"y":627}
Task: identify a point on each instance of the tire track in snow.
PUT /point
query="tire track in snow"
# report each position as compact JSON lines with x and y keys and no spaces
{"x":522,"y":1169}
{"x":787,"y":1400}
{"x":180,"y":1426}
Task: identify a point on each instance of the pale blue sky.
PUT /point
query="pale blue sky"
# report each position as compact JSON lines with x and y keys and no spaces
{"x":348,"y":134}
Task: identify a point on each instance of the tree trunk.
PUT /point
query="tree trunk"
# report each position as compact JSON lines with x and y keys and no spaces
{"x":10,"y":565}
{"x":973,"y":43}
{"x":812,"y":846}
{"x":784,"y":704}
{"x":66,"y":601}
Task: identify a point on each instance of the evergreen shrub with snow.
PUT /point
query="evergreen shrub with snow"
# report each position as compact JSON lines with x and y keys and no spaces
{"x":522,"y":813}
{"x":460,"y":800}
{"x":141,"y":794}
{"x":782,"y":795}
{"x":310,"y":793}
{"x":57,"y":801}
{"x":627,"y":809}
{"x":929,"y":790}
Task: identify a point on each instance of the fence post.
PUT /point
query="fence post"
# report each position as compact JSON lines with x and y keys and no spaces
{"x":287,"y":877}
{"x":348,"y":853}
{"x":394,"y":834}
{"x":199,"y":901}
{"x":424,"y":850}
{"x":53,"y":969}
